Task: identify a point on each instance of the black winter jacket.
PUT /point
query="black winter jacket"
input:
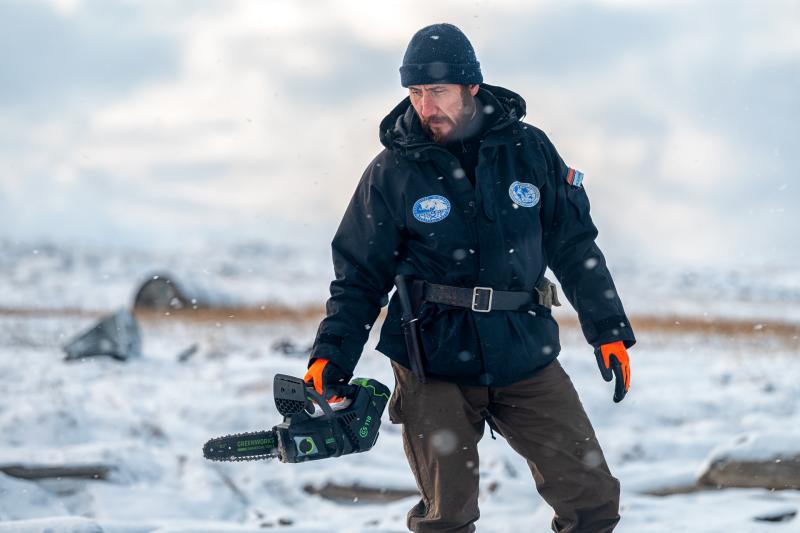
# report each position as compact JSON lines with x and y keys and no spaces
{"x":415,"y":213}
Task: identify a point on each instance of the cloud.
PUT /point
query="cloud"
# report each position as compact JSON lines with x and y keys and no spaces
{"x":226,"y":119}
{"x":678,"y":114}
{"x":86,"y":53}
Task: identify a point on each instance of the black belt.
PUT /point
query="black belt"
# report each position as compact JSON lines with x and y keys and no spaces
{"x":479,"y":299}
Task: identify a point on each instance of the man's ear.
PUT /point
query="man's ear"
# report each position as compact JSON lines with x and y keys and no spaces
{"x":473,"y":89}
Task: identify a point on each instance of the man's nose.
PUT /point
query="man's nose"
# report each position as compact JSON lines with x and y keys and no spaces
{"x":427,"y":106}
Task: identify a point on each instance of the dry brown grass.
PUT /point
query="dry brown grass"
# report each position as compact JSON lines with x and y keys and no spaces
{"x":716,"y":326}
{"x":241,"y":314}
{"x":673,"y":325}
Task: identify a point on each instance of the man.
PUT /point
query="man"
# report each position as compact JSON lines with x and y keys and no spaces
{"x":472,"y":205}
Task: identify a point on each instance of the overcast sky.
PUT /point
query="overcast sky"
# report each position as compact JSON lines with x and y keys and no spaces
{"x":178,"y":123}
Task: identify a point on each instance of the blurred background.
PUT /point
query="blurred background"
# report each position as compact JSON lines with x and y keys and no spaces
{"x":206,"y":150}
{"x":171,"y":124}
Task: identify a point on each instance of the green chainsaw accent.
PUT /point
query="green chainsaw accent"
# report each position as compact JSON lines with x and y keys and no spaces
{"x":255,"y":444}
{"x":364,"y":382}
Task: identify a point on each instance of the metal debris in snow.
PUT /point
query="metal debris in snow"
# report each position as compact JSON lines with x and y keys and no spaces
{"x":114,"y":335}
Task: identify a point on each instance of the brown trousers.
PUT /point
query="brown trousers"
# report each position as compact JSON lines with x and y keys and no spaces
{"x":541,"y":418}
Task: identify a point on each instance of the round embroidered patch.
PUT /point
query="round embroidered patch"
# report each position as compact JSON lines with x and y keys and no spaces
{"x":524,"y":194}
{"x":431,"y":209}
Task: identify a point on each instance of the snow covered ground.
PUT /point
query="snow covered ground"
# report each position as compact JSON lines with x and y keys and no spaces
{"x":48,"y":276}
{"x":693,"y":395}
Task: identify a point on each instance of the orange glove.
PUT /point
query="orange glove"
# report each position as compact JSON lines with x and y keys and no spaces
{"x":325,"y":375}
{"x":612,"y":358}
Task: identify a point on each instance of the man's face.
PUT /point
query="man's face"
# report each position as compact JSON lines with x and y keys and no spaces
{"x":443,"y":109}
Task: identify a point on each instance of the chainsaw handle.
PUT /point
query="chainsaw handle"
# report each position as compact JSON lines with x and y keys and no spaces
{"x":336,"y":430}
{"x":333,"y":391}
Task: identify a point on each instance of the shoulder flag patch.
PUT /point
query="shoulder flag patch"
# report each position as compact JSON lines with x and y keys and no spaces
{"x":574,"y":177}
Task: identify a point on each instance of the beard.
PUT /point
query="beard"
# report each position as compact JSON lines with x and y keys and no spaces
{"x":457,"y":125}
{"x":439,"y":136}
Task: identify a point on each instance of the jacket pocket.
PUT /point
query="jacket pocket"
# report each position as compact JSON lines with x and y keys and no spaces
{"x":449,"y":340}
{"x":538,"y":333}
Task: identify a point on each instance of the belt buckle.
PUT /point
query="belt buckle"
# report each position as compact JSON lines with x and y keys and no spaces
{"x":476,"y":295}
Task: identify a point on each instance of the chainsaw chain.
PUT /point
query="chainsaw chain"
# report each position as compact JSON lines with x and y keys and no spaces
{"x":238,"y":459}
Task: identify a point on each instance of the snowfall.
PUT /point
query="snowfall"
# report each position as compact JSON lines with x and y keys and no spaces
{"x":696,"y":396}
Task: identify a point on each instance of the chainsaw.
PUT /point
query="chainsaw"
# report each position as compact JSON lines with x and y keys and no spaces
{"x":312,"y":428}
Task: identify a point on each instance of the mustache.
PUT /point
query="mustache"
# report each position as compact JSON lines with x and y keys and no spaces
{"x":437,"y":119}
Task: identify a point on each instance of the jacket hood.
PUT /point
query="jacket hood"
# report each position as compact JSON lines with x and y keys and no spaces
{"x":401,"y":129}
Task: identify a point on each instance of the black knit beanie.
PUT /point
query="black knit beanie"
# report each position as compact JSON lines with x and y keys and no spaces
{"x":440,"y":53}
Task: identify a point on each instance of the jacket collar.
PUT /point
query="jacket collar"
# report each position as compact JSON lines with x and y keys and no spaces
{"x":401,"y":130}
